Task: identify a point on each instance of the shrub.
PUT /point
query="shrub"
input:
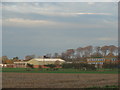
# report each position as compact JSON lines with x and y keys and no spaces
{"x":51,"y":65}
{"x":110,"y":65}
{"x":81,"y":66}
{"x":30,"y":65}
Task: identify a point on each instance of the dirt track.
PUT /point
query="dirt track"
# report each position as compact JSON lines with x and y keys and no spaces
{"x":57,"y":80}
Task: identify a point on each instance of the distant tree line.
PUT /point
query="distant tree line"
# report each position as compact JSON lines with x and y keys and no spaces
{"x":90,"y":51}
{"x":80,"y":53}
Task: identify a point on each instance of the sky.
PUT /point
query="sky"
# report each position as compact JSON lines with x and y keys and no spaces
{"x":48,"y":27}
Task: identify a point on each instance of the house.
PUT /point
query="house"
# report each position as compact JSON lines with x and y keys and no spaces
{"x":98,"y":62}
{"x":111,"y":60}
{"x":95,"y":60}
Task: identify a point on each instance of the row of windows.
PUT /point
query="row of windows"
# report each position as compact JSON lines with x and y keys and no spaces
{"x":20,"y":63}
{"x":96,"y":63}
{"x":3,"y":65}
{"x":113,"y":59}
{"x":96,"y":59}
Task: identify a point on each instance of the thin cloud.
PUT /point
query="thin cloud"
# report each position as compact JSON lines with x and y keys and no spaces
{"x":92,"y":13}
{"x":107,"y":39}
{"x":48,"y":10}
{"x":31,"y":23}
{"x":64,"y":14}
{"x":20,"y":22}
{"x":25,"y":22}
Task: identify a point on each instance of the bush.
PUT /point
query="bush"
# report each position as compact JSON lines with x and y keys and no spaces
{"x":110,"y":65}
{"x":67,"y":65}
{"x":30,"y":65}
{"x":51,"y":65}
{"x":81,"y":66}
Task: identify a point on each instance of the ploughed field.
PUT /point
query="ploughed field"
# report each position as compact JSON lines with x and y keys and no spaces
{"x":57,"y":80}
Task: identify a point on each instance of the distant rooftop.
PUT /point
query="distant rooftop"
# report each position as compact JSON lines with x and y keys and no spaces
{"x":48,"y":59}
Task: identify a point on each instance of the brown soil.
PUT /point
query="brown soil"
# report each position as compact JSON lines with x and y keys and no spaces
{"x":57,"y":80}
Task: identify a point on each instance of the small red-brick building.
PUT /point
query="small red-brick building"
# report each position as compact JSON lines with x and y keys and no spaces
{"x":20,"y":64}
{"x":6,"y":65}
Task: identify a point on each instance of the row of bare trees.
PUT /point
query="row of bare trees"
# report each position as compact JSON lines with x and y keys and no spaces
{"x":90,"y":51}
{"x":6,"y":60}
{"x":83,"y":52}
{"x":79,"y":53}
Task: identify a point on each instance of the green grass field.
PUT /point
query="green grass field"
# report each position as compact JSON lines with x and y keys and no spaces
{"x":107,"y":86}
{"x":23,"y":70}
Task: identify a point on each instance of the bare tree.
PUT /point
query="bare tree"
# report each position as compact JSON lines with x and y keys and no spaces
{"x":56,"y":55}
{"x":112,"y":49}
{"x":79,"y":52}
{"x":15,"y":59}
{"x":4,"y":58}
{"x":88,"y":51}
{"x":49,"y":55}
{"x":63,"y":56}
{"x":97,"y":49}
{"x":29,"y":57}
{"x":70,"y":53}
{"x":104,"y":50}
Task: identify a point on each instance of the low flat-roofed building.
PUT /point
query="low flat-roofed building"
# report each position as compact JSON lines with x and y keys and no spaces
{"x":20,"y":64}
{"x":37,"y":62}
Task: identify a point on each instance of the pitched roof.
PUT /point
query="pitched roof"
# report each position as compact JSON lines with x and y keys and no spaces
{"x":48,"y":59}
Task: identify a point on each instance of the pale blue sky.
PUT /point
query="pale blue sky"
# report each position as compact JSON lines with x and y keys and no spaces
{"x":41,"y":28}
